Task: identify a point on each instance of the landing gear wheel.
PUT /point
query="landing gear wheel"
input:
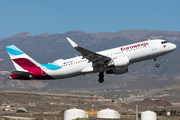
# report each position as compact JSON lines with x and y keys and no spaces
{"x":101,"y":77}
{"x":157,"y":64}
{"x":101,"y":80}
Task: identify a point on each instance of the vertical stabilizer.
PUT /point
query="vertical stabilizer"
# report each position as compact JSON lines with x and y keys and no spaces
{"x":20,"y":59}
{"x":26,"y":67}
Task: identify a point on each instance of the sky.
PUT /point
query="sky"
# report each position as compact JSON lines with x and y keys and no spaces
{"x":90,"y":16}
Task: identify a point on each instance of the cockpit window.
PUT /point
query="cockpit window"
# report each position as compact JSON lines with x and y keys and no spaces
{"x":163,"y":42}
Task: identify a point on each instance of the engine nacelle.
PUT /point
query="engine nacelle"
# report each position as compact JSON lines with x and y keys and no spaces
{"x":121,"y":61}
{"x":119,"y":70}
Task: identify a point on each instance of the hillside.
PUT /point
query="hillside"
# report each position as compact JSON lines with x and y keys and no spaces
{"x":49,"y":47}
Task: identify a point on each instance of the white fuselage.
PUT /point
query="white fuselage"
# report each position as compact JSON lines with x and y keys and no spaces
{"x":135,"y":52}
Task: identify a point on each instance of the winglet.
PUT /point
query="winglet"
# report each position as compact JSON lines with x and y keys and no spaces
{"x":72,"y":42}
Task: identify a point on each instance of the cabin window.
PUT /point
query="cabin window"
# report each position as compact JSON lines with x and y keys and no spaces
{"x":163,"y":42}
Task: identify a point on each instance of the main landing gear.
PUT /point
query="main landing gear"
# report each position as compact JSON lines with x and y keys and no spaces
{"x":157,"y":64}
{"x":101,"y":77}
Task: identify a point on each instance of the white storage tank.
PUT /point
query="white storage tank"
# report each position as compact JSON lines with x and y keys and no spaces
{"x":108,"y":113}
{"x":148,"y":115}
{"x":74,"y":113}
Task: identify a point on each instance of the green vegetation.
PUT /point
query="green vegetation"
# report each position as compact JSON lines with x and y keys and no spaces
{"x":123,"y":113}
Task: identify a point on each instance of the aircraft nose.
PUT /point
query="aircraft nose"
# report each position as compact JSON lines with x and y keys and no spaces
{"x":173,"y":46}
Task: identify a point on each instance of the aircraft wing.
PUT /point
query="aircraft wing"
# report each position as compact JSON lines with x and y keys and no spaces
{"x":91,"y":56}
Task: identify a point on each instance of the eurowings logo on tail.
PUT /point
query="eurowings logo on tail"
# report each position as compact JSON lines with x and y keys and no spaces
{"x":26,"y":67}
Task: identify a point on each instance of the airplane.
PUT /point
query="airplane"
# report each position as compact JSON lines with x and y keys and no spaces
{"x":112,"y":61}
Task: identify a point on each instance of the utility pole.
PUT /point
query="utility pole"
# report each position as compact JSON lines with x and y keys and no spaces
{"x":136,"y":111}
{"x":92,"y":106}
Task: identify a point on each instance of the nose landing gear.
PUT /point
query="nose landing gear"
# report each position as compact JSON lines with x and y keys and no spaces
{"x":157,"y":64}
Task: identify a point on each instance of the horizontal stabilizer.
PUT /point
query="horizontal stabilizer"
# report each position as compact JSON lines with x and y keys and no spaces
{"x":21,"y":73}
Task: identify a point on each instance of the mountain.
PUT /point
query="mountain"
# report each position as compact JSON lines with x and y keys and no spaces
{"x":145,"y":83}
{"x":23,"y":34}
{"x":49,"y":47}
{"x":156,"y":102}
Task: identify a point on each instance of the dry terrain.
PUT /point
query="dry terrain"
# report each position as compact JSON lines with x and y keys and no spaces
{"x":52,"y":106}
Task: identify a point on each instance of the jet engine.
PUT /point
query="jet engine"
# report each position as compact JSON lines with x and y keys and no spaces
{"x":119,"y":70}
{"x":119,"y":62}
